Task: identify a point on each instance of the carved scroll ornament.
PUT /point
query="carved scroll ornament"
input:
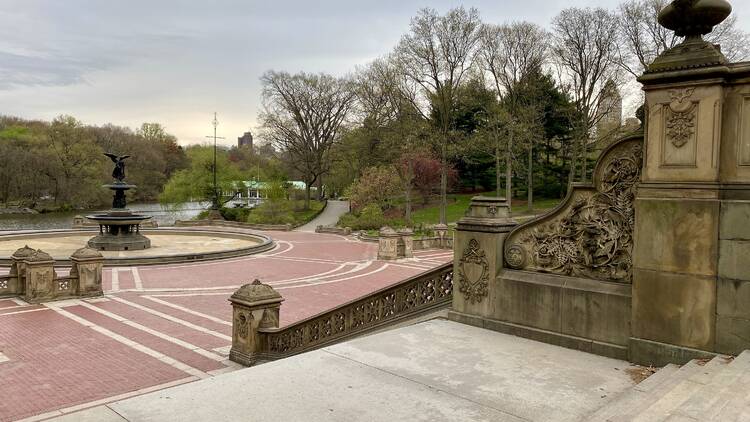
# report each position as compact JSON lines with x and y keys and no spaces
{"x":591,"y":234}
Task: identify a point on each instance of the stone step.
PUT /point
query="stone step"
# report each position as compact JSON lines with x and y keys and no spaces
{"x":626,"y":404}
{"x":681,"y":391}
{"x":714,"y":396}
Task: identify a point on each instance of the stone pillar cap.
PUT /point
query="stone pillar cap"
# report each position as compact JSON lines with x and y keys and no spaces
{"x":24,"y":252}
{"x":387,"y":231}
{"x":406,"y":230}
{"x":39,"y":256}
{"x":86,"y":253}
{"x":255,"y":294}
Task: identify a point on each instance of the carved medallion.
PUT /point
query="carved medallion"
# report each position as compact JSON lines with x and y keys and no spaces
{"x":473,"y":273}
{"x":515,"y":256}
{"x":681,"y":119}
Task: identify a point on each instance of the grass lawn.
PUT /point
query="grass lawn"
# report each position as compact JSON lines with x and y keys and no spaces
{"x":459,"y":203}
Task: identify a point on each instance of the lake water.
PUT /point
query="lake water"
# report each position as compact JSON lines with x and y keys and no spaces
{"x":164,"y":216}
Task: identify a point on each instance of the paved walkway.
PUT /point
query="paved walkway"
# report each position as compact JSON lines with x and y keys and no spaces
{"x":160,"y":326}
{"x":434,"y":371}
{"x":329,"y":216}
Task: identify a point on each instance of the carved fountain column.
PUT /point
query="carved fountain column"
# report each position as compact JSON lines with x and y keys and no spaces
{"x":691,"y":286}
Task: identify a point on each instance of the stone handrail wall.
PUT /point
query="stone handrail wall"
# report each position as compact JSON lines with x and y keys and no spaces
{"x":235,"y":224}
{"x":33,"y":278}
{"x":415,"y":296}
{"x":590,"y":234}
{"x":345,"y":231}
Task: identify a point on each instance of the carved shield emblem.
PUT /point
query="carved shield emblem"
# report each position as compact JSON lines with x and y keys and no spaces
{"x":473,"y":273}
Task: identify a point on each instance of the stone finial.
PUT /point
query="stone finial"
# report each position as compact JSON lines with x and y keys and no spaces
{"x":255,"y":293}
{"x":693,"y":18}
{"x":22,"y":253}
{"x":86,"y":253}
{"x":39,"y":256}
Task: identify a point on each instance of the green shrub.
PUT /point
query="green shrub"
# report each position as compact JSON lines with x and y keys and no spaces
{"x":277,"y":211}
{"x":370,"y":218}
{"x":235,"y":214}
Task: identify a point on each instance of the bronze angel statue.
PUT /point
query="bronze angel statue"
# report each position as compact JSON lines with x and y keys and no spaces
{"x":119,"y":171}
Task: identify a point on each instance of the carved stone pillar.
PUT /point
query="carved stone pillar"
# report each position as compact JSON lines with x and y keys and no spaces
{"x":478,"y":256}
{"x":254,"y":306}
{"x":407,"y":240}
{"x":691,"y":279}
{"x":39,"y":277}
{"x":87,"y":266}
{"x":17,"y":284}
{"x":388,"y":241}
{"x":441,"y":230}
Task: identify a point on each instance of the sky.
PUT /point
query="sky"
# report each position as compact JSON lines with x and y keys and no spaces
{"x":178,"y":62}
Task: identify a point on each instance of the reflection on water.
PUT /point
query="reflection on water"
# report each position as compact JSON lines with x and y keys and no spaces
{"x":164,"y":216}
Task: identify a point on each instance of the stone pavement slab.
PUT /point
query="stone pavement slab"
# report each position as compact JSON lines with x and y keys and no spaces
{"x":433,"y":371}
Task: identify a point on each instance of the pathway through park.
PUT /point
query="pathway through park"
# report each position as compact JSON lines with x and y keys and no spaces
{"x":159,"y":326}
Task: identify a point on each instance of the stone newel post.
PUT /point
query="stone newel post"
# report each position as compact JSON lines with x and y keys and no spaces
{"x":39,"y":277}
{"x":388,"y":241}
{"x":87,"y":266}
{"x":254,"y":306}
{"x":407,"y":241}
{"x":478,"y":256}
{"x":18,"y":270}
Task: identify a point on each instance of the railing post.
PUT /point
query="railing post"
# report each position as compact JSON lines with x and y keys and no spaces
{"x":387,"y":243}
{"x":442,"y":232}
{"x":478,"y":256}
{"x":87,"y":267}
{"x":254,"y":306}
{"x":407,"y":240}
{"x":39,"y":277}
{"x":16,"y":284}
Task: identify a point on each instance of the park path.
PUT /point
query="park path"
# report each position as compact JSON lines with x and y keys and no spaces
{"x":329,"y":216}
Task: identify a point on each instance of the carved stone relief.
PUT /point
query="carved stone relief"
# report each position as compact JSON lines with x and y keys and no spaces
{"x":473,"y":273}
{"x":591,"y":235}
{"x":681,"y":120}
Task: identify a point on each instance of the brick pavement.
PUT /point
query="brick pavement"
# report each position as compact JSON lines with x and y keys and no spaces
{"x":160,"y":325}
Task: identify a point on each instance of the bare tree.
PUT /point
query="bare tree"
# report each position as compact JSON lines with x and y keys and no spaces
{"x":435,"y":56}
{"x":303,"y":115}
{"x":508,"y":53}
{"x":586,"y":51}
{"x":643,"y":39}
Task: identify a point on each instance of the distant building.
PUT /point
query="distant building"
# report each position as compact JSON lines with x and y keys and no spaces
{"x":245,"y":140}
{"x":609,"y":110}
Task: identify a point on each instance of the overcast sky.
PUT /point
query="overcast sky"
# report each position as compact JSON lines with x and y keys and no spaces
{"x":176,"y":62}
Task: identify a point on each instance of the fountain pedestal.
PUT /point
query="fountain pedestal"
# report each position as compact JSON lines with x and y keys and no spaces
{"x":119,"y":228}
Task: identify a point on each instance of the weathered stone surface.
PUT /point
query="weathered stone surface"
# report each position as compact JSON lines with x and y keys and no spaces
{"x":653,"y":353}
{"x":734,"y":261}
{"x":254,"y":305}
{"x":529,"y":303}
{"x":735,"y":219}
{"x":732,"y":334}
{"x":677,"y":235}
{"x":674,"y":308}
{"x":732,"y":298}
{"x":595,"y":315}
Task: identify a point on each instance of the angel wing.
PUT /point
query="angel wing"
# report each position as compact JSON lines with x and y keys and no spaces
{"x":124,"y":157}
{"x":112,"y":157}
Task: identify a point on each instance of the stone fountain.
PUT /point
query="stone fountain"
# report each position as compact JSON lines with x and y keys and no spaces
{"x":119,"y":228}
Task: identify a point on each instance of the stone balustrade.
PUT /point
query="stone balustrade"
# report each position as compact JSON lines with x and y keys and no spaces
{"x":256,"y":336}
{"x":33,"y":278}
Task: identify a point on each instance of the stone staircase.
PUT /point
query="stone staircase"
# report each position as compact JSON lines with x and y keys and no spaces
{"x":714,"y":390}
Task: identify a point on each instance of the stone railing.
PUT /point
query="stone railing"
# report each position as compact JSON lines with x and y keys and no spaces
{"x":33,"y":278}
{"x":234,"y":224}
{"x":256,"y":336}
{"x":345,"y":231}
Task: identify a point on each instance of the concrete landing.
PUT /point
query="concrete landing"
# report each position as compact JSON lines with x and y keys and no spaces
{"x":433,"y":371}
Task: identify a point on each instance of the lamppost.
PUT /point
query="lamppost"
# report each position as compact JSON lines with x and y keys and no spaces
{"x":215,"y":206}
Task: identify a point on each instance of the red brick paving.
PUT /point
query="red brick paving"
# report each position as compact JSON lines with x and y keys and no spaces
{"x":57,"y":362}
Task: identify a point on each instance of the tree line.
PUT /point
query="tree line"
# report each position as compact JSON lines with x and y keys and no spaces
{"x":513,"y":107}
{"x":60,"y":164}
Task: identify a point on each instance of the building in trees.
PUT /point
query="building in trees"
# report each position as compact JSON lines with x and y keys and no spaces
{"x":246,"y":140}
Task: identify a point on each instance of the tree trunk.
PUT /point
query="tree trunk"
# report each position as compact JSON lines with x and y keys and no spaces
{"x":320,"y":188}
{"x":573,"y":162}
{"x":407,"y":192}
{"x":584,"y":160}
{"x":497,"y":168}
{"x":509,"y":171}
{"x":443,"y":185}
{"x":307,"y":196}
{"x":529,"y":179}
